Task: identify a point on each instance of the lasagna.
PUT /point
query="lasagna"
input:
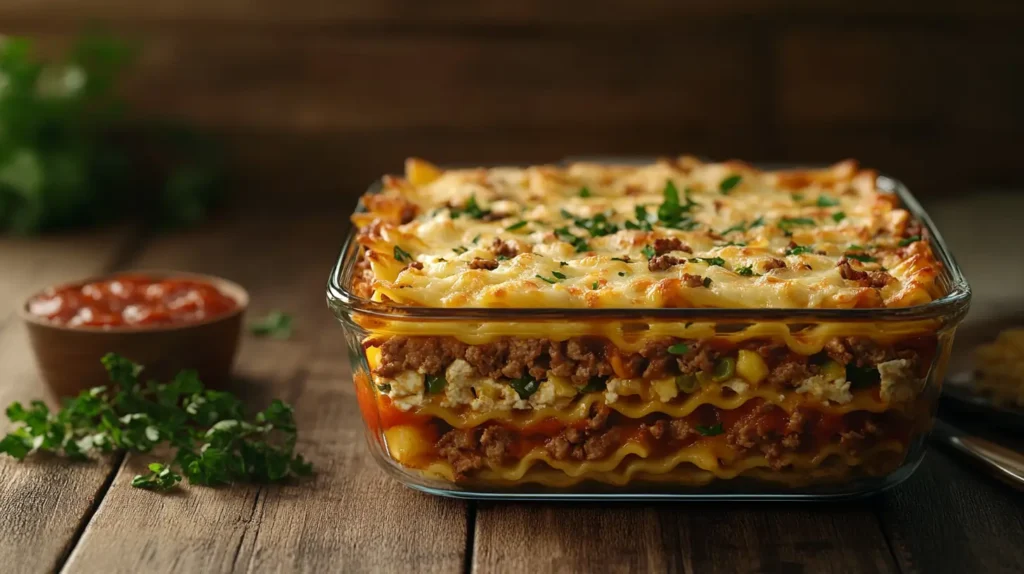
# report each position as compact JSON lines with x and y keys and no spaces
{"x":503,"y":400}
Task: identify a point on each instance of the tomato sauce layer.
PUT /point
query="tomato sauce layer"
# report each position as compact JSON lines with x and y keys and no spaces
{"x":132,"y":300}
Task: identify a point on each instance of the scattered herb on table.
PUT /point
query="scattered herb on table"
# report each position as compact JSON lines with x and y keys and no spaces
{"x":215,"y":442}
{"x":275,"y":324}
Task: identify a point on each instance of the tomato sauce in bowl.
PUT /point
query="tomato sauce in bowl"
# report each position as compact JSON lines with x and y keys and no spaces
{"x":132,"y":300}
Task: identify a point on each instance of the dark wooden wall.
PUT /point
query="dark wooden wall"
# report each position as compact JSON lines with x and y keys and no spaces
{"x":318,"y":96}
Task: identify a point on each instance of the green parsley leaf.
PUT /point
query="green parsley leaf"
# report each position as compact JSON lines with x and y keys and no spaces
{"x":563,"y":234}
{"x":727,"y":184}
{"x":215,"y":442}
{"x":402,"y":256}
{"x":459,"y":250}
{"x":909,"y":240}
{"x":622,"y":273}
{"x":275,"y":324}
{"x":670,"y":213}
{"x":471,"y":209}
{"x":524,"y":386}
{"x":517,"y":225}
{"x":642,"y":222}
{"x":475,"y":239}
{"x":594,"y":286}
{"x":435,"y":383}
{"x":712,"y":261}
{"x":798,"y":197}
{"x":799,"y":249}
{"x":862,"y":257}
{"x":741,"y":227}
{"x":159,"y":477}
{"x":707,"y":282}
{"x":787,"y":223}
{"x":757,"y":222}
{"x":545,"y":279}
{"x":838,"y":216}
{"x":584,"y":192}
{"x":502,"y":258}
{"x":745,"y":271}
{"x":679,"y":349}
{"x":648,"y":252}
{"x":563,"y":264}
{"x":558,"y":275}
{"x":826,"y":201}
{"x":713,"y":430}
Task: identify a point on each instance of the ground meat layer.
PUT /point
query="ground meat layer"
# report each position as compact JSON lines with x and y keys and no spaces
{"x":583,"y":358}
{"x":761,"y":428}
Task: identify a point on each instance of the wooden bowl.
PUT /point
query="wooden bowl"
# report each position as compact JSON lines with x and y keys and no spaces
{"x":69,"y":357}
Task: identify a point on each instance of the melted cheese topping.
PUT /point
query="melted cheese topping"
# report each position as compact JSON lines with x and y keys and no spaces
{"x":582,"y":236}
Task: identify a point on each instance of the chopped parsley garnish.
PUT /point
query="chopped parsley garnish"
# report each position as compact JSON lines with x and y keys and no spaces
{"x":563,"y":264}
{"x":855,"y":247}
{"x":558,"y":275}
{"x":707,"y":282}
{"x":741,"y":227}
{"x":799,"y":249}
{"x":726,"y":185}
{"x":472,"y":209}
{"x":838,"y":216}
{"x":909,"y":240}
{"x":597,"y":226}
{"x":594,"y":385}
{"x":679,"y":349}
{"x":641,"y":222}
{"x":594,"y":286}
{"x":584,"y":192}
{"x":214,"y":441}
{"x":826,"y":201}
{"x":384,"y":388}
{"x":787,"y":223}
{"x":648,"y":252}
{"x":524,"y":386}
{"x":736,"y":243}
{"x":798,"y":197}
{"x":517,"y":225}
{"x":713,"y":430}
{"x":563,"y":234}
{"x":745,"y":271}
{"x":475,"y":239}
{"x":459,"y":249}
{"x":757,"y":222}
{"x":275,"y":324}
{"x":712,"y":260}
{"x":545,"y":279}
{"x":862,"y":257}
{"x":401,"y":255}
{"x":502,"y":258}
{"x":435,"y":383}
{"x":622,"y":273}
{"x":671,"y":212}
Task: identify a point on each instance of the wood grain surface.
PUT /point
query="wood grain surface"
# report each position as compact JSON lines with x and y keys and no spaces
{"x":353,"y":517}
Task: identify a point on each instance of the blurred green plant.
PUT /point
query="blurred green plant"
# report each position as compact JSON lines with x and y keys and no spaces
{"x":70,"y":155}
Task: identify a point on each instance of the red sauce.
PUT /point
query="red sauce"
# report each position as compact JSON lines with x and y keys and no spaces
{"x":132,"y":300}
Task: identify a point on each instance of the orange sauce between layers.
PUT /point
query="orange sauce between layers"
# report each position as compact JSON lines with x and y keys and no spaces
{"x":132,"y":300}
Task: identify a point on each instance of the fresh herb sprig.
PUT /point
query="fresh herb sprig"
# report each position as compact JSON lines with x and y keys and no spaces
{"x":276,"y":324}
{"x":214,"y":442}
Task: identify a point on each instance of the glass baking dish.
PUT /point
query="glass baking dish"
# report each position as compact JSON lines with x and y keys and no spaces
{"x":847,"y":451}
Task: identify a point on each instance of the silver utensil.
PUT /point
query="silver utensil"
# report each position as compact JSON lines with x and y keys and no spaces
{"x":1003,"y":463}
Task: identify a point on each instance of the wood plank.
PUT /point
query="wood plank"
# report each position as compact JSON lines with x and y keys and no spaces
{"x":350,"y":516}
{"x":692,"y":537}
{"x":43,"y":502}
{"x":468,"y":13}
{"x":950,"y":517}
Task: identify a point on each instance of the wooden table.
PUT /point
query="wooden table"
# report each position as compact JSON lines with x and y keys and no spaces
{"x":56,"y":515}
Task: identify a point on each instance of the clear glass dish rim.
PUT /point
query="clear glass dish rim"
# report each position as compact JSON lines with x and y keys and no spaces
{"x":953,"y":305}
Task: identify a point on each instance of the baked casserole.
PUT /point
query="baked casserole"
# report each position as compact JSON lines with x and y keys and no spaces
{"x":674,"y":326}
